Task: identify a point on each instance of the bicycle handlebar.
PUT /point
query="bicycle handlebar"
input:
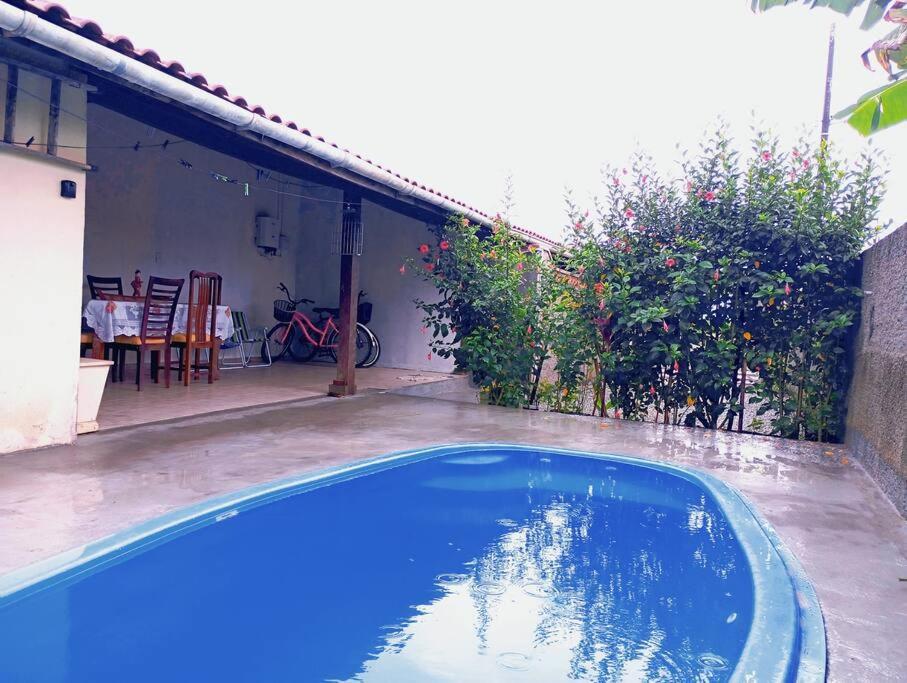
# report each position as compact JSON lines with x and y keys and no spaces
{"x":283,"y":288}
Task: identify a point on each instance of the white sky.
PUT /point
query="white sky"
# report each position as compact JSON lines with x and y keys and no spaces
{"x":459,"y":95}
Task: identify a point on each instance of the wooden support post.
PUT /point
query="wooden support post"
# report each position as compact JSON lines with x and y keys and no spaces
{"x":345,"y":382}
{"x":349,"y":245}
{"x":53,"y":121}
{"x":12,"y":92}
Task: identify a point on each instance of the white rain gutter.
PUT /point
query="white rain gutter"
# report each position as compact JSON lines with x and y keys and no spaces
{"x":28,"y":25}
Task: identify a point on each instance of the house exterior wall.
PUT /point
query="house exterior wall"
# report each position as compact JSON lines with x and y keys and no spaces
{"x":40,"y":268}
{"x":388,"y":239}
{"x":877,"y":401}
{"x":145,"y":211}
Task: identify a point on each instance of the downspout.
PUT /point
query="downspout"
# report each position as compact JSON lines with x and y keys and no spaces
{"x":20,"y":23}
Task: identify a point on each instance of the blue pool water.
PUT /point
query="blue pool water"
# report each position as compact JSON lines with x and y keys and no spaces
{"x":459,"y":564}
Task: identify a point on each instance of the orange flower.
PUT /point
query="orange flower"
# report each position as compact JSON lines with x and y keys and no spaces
{"x":747,"y":336}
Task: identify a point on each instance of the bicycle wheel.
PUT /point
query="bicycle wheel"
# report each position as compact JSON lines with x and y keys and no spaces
{"x":301,"y":349}
{"x":363,"y":345}
{"x":278,"y":341}
{"x":376,"y":348}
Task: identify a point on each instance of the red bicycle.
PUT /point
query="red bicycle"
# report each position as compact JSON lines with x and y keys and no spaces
{"x":296,"y":334}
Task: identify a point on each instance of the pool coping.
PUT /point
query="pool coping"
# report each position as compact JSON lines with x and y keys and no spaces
{"x":797,"y":627}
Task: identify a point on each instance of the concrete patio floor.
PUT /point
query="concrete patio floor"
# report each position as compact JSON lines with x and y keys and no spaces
{"x":850,"y":539}
{"x":123,"y":406}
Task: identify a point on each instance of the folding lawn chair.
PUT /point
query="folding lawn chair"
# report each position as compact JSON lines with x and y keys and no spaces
{"x":244,"y":341}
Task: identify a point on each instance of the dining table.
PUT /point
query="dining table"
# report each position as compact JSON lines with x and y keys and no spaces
{"x":115,"y":316}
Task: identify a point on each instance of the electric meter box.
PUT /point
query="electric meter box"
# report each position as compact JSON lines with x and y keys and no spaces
{"x":267,"y":233}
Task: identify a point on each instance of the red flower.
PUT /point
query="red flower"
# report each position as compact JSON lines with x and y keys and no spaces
{"x":787,"y":289}
{"x":445,"y":245}
{"x":429,"y":355}
{"x":716,"y":275}
{"x":651,"y":390}
{"x":429,"y":267}
{"x":670,"y":262}
{"x":766,"y":156}
{"x":403,"y":270}
{"x":519,"y":266}
{"x":664,"y":324}
{"x":676,"y":366}
{"x":423,"y":329}
{"x":424,"y":249}
{"x":617,"y":414}
{"x":709,"y":196}
{"x":529,"y":329}
{"x":629,"y":213}
{"x":616,"y":180}
{"x":796,"y":154}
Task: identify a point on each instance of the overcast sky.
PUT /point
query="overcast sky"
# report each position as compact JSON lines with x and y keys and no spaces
{"x":461,"y":95}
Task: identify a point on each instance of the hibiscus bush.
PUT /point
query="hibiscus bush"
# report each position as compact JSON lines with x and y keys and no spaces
{"x":731,"y":291}
{"x":722,"y":300}
{"x":490,"y":309}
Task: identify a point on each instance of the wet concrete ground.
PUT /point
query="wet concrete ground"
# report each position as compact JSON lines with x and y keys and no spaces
{"x":850,"y":539}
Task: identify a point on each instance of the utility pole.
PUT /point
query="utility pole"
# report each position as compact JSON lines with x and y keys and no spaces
{"x":829,"y":69}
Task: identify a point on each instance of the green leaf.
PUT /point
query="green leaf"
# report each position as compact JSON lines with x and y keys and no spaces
{"x":878,"y":109}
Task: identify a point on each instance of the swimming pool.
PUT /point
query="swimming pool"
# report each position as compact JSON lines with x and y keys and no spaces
{"x":460,"y":563}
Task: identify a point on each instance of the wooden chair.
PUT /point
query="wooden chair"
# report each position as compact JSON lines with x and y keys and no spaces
{"x":157,"y":327}
{"x":201,"y":325}
{"x":102,"y":287}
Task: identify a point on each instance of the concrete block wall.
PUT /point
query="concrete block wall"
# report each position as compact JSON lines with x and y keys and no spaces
{"x":877,"y":401}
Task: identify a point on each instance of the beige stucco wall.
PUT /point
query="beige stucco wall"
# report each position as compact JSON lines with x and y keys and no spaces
{"x":41,"y":235}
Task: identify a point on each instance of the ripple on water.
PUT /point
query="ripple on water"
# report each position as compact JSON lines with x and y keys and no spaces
{"x":490,"y":588}
{"x":451,"y":580}
{"x":709,"y":660}
{"x":515,"y":661}
{"x":537,"y":589}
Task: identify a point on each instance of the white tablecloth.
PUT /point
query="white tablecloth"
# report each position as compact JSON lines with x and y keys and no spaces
{"x":111,"y":318}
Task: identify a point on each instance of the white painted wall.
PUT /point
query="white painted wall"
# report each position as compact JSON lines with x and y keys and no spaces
{"x":40,"y":268}
{"x":146,"y":211}
{"x":389,"y":238}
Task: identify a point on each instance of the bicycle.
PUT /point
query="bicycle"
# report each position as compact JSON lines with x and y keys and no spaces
{"x":296,"y":334}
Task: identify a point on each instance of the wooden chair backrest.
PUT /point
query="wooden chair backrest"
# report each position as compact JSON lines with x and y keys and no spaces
{"x":160,"y":307}
{"x":101,"y":287}
{"x":204,"y":298}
